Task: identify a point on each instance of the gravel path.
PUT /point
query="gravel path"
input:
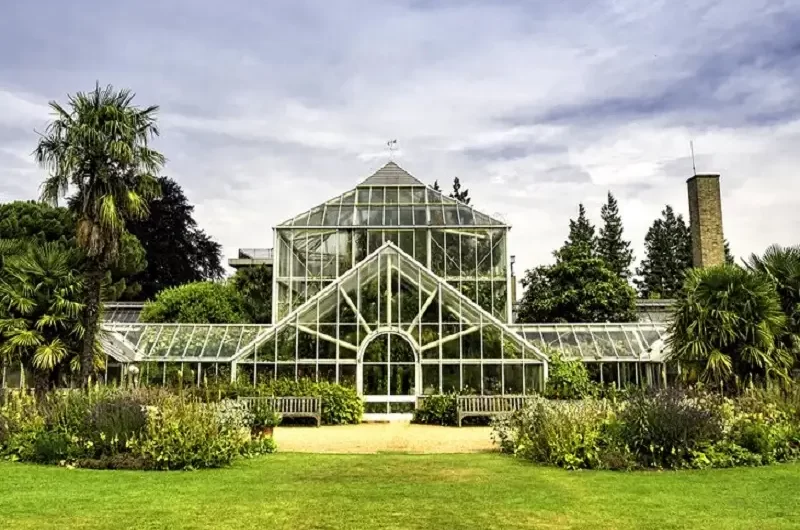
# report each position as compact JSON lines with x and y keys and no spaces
{"x":384,"y":437}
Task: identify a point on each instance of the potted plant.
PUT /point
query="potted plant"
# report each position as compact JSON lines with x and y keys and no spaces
{"x":264,"y":420}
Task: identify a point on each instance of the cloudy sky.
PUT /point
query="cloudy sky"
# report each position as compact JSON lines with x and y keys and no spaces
{"x":270,"y":107}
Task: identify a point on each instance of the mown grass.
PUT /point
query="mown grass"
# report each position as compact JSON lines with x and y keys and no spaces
{"x":397,"y":491}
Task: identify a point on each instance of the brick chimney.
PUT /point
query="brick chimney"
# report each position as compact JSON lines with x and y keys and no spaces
{"x":705,"y":217}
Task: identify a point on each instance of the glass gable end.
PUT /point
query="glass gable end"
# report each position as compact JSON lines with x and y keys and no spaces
{"x":464,"y":247}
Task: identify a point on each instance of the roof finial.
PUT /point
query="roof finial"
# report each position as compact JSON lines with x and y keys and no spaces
{"x":392,"y":145}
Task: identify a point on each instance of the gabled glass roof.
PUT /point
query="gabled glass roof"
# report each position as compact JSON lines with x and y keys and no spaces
{"x":391,"y":197}
{"x":382,"y":263}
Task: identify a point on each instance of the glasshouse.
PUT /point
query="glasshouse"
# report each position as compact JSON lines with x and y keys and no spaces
{"x":398,"y":290}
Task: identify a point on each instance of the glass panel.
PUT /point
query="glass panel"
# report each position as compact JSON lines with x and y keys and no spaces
{"x":492,"y":379}
{"x":331,"y":215}
{"x":346,"y":215}
{"x":375,"y":379}
{"x":465,"y":215}
{"x":376,"y":350}
{"x":362,"y":196}
{"x":347,"y":375}
{"x":376,"y":197}
{"x":471,"y":374}
{"x":437,"y":218}
{"x":404,"y":196}
{"x":391,"y":216}
{"x":391,"y":195}
{"x":419,"y":195}
{"x":513,"y":378}
{"x":406,"y":216}
{"x":451,"y":379}
{"x":402,"y":380}
{"x":430,"y":379}
{"x":451,"y":215}
{"x":315,"y":217}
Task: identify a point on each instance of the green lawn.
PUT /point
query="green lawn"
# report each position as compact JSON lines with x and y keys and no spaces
{"x":397,"y":491}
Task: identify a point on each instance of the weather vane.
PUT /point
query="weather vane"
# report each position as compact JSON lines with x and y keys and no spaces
{"x":392,"y":145}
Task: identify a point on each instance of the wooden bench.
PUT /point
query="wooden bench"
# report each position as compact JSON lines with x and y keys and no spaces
{"x":290,"y":407}
{"x":473,"y":406}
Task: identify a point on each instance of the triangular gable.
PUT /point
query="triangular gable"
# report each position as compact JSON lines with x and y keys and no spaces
{"x":452,"y":299}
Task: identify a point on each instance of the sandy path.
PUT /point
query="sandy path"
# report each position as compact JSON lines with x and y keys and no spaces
{"x":384,"y":437}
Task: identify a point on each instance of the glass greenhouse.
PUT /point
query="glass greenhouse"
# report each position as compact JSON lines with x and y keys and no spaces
{"x":398,"y":290}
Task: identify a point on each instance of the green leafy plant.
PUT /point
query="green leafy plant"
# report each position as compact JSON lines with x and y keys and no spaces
{"x":438,"y":409}
{"x":567,"y":379}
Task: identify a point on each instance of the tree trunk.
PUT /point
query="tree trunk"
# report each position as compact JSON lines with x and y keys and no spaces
{"x":91,"y":312}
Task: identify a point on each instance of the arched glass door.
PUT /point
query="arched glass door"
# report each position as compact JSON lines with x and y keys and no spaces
{"x":388,"y":375}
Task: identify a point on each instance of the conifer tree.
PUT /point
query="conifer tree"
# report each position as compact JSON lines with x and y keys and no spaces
{"x":459,"y":195}
{"x":436,"y":185}
{"x":668,"y":249}
{"x":614,"y":250}
{"x":581,"y":241}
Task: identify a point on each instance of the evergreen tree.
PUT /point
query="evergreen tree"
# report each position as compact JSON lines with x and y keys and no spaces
{"x":728,"y":255}
{"x":581,"y":241}
{"x":177,"y":250}
{"x":579,"y":287}
{"x":668,"y":249}
{"x":436,"y":185}
{"x":614,"y":250}
{"x":462,"y":196}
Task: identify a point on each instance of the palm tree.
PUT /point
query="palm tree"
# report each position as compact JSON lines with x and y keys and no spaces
{"x":99,"y":146}
{"x":782,"y":266}
{"x":725,"y":326}
{"x":40,"y":311}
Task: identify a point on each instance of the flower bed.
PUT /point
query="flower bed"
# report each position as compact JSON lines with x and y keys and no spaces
{"x":111,"y":428}
{"x":667,"y":429}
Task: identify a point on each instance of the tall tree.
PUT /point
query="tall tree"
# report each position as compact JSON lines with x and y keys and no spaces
{"x":581,"y":241}
{"x":177,"y":250}
{"x":459,"y":194}
{"x":254,"y":284}
{"x":611,"y":248}
{"x":100,"y":146}
{"x":668,"y":254}
{"x":436,"y":185}
{"x":579,"y":287}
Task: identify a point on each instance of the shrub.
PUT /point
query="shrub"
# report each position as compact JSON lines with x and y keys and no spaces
{"x":567,"y":379}
{"x":197,"y":302}
{"x":188,"y":435}
{"x":440,"y":409}
{"x":566,"y":434}
{"x":663,"y":428}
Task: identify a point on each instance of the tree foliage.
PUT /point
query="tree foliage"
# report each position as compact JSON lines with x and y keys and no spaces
{"x":727,"y":326}
{"x":177,"y":251}
{"x":198,"y":302}
{"x":668,"y":254}
{"x":782,"y":266}
{"x":99,"y":145}
{"x":576,"y":290}
{"x":581,"y":242}
{"x":611,"y":247}
{"x":254,"y":284}
{"x":40,"y":309}
{"x":37,"y":222}
{"x":459,"y":194}
{"x":579,"y":287}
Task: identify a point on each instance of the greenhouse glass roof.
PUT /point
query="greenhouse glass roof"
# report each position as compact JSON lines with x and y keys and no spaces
{"x":391,"y":197}
{"x":642,"y":342}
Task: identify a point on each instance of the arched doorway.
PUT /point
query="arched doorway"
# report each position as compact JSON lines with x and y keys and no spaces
{"x":388,"y":373}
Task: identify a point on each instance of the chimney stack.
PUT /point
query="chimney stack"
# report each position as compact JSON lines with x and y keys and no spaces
{"x":705,"y":218}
